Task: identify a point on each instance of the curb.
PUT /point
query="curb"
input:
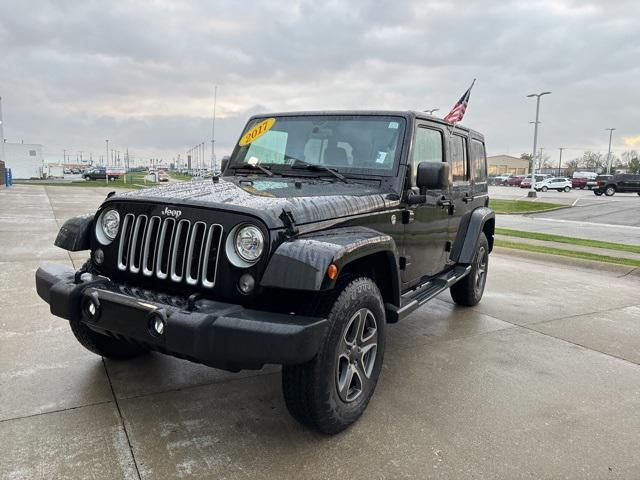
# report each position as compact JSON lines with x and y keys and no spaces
{"x":564,"y":207}
{"x":621,"y":270}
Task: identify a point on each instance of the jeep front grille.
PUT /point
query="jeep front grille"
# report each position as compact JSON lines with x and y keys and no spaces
{"x":179,"y":250}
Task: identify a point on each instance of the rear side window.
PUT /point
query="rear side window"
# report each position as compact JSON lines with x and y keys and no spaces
{"x":478,"y":161}
{"x":459,"y":158}
{"x":427,"y":148}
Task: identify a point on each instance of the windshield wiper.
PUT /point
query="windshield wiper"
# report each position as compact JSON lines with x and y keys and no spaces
{"x":251,"y":166}
{"x":300,"y":164}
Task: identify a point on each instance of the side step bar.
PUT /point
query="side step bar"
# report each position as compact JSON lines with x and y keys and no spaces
{"x":421,"y":294}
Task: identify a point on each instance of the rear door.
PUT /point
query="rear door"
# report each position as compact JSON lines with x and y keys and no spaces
{"x":461,"y":187}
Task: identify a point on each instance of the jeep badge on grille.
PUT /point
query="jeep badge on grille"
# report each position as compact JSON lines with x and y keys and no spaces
{"x":171,"y":213}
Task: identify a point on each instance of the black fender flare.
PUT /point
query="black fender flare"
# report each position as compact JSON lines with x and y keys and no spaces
{"x":482,"y":219}
{"x":75,"y":234}
{"x":301,"y":263}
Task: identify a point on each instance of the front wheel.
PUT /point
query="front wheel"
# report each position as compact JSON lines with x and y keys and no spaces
{"x":544,"y":189}
{"x":468,"y":291}
{"x":331,"y":391}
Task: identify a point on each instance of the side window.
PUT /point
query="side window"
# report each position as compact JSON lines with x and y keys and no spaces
{"x":459,"y":158}
{"x":427,"y":148}
{"x":478,"y":161}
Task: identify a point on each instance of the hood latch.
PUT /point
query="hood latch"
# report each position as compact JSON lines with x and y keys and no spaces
{"x":290,"y":224}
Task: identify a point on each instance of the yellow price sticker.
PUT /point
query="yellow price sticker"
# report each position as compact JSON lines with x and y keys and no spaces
{"x":257,"y":131}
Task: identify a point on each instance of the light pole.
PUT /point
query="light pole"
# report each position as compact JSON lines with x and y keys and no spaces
{"x":560,"y":161}
{"x":532,"y":192}
{"x":430,"y":111}
{"x":106,"y":163}
{"x":609,"y":152}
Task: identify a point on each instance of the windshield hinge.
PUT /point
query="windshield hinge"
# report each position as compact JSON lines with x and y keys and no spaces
{"x":288,"y":221}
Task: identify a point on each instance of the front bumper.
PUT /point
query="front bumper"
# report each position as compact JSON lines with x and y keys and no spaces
{"x":217,"y":334}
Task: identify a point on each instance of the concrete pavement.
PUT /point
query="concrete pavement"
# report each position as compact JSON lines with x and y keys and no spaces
{"x":539,"y":380}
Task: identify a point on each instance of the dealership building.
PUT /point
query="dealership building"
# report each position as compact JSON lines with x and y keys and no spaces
{"x":507,"y":165}
{"x":24,"y":159}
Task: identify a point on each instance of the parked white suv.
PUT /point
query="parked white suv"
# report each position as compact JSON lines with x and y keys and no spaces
{"x":554,"y":183}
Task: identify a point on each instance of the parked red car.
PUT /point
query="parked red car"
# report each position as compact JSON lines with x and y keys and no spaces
{"x":579,"y":182}
{"x":515,"y":180}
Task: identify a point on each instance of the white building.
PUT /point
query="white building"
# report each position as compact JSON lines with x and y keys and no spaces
{"x":24,"y":159}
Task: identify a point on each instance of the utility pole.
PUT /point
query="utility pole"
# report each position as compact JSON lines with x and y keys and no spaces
{"x":214,"y":166}
{"x":64,"y":156}
{"x":560,"y":161}
{"x":609,"y":152}
{"x":532,"y":192}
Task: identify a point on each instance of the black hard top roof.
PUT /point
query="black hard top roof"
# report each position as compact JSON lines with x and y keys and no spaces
{"x":408,"y":114}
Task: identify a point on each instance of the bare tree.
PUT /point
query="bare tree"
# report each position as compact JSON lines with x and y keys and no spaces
{"x":572,"y":166}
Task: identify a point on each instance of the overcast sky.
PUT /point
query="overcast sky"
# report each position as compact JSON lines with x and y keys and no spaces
{"x":141,"y":74}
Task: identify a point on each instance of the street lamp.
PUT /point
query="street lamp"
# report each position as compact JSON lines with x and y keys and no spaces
{"x":609,"y":152}
{"x":532,"y":192}
{"x":430,"y":112}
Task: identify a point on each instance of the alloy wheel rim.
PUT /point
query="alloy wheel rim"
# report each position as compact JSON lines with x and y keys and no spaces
{"x":481,"y":269}
{"x":356,"y":355}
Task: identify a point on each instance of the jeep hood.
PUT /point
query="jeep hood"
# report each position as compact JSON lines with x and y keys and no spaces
{"x":308,"y":200}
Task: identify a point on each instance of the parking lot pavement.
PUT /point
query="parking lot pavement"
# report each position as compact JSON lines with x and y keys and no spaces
{"x":612,"y":219}
{"x":539,"y":380}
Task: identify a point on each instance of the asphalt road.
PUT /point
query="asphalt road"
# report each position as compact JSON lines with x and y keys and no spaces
{"x":540,"y":380}
{"x":620,"y":209}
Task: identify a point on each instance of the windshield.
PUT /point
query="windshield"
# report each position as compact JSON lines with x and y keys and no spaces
{"x":346,"y":143}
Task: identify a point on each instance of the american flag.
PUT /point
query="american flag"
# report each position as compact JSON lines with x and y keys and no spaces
{"x":457,"y":112}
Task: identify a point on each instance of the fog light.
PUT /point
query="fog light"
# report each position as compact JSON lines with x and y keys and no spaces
{"x":158,"y":325}
{"x":91,"y":307}
{"x":98,"y":256}
{"x":246,"y":283}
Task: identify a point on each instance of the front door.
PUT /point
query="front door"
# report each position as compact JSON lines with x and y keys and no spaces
{"x":426,"y":230}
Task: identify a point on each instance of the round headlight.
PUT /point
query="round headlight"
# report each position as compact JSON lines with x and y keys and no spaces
{"x":110,"y":223}
{"x":249,"y":243}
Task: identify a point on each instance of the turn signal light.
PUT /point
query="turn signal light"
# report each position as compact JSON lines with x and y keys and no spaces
{"x":332,"y":272}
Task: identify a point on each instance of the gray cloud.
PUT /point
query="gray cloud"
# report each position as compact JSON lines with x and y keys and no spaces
{"x":142,"y":74}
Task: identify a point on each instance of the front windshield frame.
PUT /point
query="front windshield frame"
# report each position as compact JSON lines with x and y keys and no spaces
{"x":239,"y":155}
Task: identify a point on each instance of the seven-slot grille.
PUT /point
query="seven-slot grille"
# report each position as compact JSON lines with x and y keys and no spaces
{"x":179,"y":250}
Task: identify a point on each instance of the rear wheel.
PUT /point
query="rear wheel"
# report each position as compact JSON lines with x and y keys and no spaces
{"x":469,"y":290}
{"x":567,"y":189}
{"x":597,"y":192}
{"x":104,"y":346}
{"x":331,"y":391}
{"x":610,"y":191}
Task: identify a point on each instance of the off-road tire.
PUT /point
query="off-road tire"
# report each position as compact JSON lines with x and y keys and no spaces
{"x":104,"y":346}
{"x":468,"y":291}
{"x":610,"y":191}
{"x":311,"y":389}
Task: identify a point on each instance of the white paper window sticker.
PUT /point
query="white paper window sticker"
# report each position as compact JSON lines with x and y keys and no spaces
{"x":393,"y":125}
{"x":381,"y":157}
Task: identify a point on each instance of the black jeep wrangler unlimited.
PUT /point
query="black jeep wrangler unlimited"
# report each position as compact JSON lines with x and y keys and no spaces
{"x":324,"y":228}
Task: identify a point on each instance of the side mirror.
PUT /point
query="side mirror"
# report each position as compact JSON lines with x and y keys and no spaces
{"x":224,"y":163}
{"x":433,"y":176}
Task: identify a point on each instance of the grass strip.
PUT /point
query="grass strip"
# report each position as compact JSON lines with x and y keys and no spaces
{"x":521,"y":206}
{"x":547,"y":237}
{"x":567,"y":253}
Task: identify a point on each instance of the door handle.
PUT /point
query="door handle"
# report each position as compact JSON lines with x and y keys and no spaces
{"x":448,"y":204}
{"x":467,"y":198}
